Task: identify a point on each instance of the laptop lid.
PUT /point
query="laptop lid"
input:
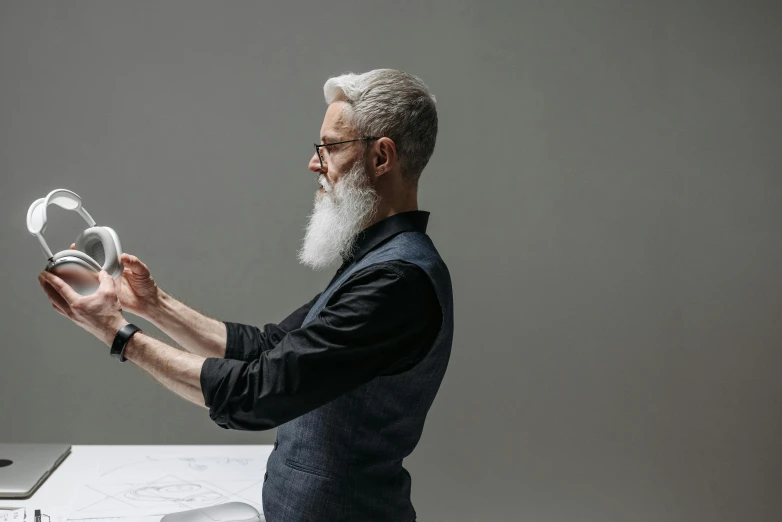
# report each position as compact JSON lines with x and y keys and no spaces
{"x":24,"y":467}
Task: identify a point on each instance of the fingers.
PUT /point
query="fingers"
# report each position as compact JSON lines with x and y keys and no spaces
{"x":106,"y":281}
{"x":57,"y":300}
{"x":73,"y":246}
{"x":67,"y":293}
{"x":135,"y":264}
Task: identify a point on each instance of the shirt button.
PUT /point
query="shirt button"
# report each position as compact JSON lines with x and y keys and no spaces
{"x":265,"y":476}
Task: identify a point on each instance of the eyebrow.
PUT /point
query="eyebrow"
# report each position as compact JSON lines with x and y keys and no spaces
{"x":327,"y":139}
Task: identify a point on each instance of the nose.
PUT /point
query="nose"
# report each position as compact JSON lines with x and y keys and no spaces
{"x":314,"y":165}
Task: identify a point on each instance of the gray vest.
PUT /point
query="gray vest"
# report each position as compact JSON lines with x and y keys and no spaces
{"x":343,"y":460}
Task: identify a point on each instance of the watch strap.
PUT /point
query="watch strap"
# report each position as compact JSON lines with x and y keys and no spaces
{"x":121,"y":341}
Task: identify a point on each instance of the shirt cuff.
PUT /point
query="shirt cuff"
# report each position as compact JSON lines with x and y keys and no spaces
{"x":232,"y":350}
{"x":214,"y":373}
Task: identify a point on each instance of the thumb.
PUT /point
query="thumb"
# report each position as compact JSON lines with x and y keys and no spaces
{"x":105,"y":279}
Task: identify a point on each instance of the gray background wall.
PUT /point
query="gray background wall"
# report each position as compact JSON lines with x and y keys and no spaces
{"x":606,"y":189}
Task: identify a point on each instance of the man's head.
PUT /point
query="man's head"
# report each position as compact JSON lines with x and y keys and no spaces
{"x":367,"y":180}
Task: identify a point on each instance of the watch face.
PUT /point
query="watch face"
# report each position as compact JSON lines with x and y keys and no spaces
{"x":115,"y":352}
{"x":121,"y":340}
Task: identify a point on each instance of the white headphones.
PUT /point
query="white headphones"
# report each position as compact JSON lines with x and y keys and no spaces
{"x":97,"y":248}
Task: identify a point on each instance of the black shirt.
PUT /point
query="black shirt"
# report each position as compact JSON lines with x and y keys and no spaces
{"x":381,"y":321}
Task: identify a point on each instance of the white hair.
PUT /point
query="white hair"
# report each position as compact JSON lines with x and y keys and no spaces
{"x":394,"y":104}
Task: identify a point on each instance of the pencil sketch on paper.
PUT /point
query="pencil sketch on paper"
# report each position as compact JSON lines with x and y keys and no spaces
{"x":220,"y":466}
{"x":154,"y":486}
{"x":167,"y":494}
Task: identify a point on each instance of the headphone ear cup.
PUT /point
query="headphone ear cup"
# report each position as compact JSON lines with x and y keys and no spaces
{"x":98,"y":243}
{"x":118,"y":247}
{"x":75,"y":257}
{"x":77,"y":269}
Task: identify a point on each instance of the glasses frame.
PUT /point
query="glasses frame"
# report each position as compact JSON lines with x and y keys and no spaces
{"x":318,"y":146}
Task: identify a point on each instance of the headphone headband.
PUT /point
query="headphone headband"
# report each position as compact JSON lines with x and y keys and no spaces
{"x":36,"y":214}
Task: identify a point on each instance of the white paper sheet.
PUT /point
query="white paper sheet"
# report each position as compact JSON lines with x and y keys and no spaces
{"x":146,"y":488}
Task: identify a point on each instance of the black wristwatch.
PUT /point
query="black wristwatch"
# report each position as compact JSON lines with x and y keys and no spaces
{"x":121,"y":341}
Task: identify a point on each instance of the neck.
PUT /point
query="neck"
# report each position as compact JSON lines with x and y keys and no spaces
{"x":388,"y":208}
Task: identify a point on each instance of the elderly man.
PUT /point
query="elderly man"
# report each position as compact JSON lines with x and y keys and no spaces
{"x":349,"y":377}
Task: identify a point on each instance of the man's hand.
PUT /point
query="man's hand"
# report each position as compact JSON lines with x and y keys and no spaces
{"x":139,"y":294}
{"x":137,"y":291}
{"x":99,"y":313}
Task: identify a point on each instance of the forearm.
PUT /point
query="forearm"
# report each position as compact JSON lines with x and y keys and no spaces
{"x":178,"y":371}
{"x":195,"y":332}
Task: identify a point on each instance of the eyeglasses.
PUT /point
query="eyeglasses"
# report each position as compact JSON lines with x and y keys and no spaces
{"x":320,"y":156}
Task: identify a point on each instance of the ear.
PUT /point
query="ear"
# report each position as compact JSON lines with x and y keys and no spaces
{"x":383,"y":157}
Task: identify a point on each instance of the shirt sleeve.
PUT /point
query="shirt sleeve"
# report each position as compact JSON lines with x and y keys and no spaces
{"x":374,"y":324}
{"x":245,"y":342}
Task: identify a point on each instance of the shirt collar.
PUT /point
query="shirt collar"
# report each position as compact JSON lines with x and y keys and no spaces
{"x":372,"y":236}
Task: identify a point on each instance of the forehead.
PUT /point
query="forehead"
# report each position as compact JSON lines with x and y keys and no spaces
{"x":335,"y":122}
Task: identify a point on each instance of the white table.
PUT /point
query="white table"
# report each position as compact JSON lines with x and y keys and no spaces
{"x":54,"y":497}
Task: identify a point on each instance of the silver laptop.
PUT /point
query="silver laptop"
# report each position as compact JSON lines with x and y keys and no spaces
{"x":24,"y":467}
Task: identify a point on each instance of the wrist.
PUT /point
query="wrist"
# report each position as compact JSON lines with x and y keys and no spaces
{"x":110,"y":333}
{"x":158,"y":308}
{"x":121,"y":341}
{"x":132,"y":347}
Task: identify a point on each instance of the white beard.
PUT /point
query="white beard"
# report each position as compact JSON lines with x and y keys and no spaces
{"x":337,"y":217}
